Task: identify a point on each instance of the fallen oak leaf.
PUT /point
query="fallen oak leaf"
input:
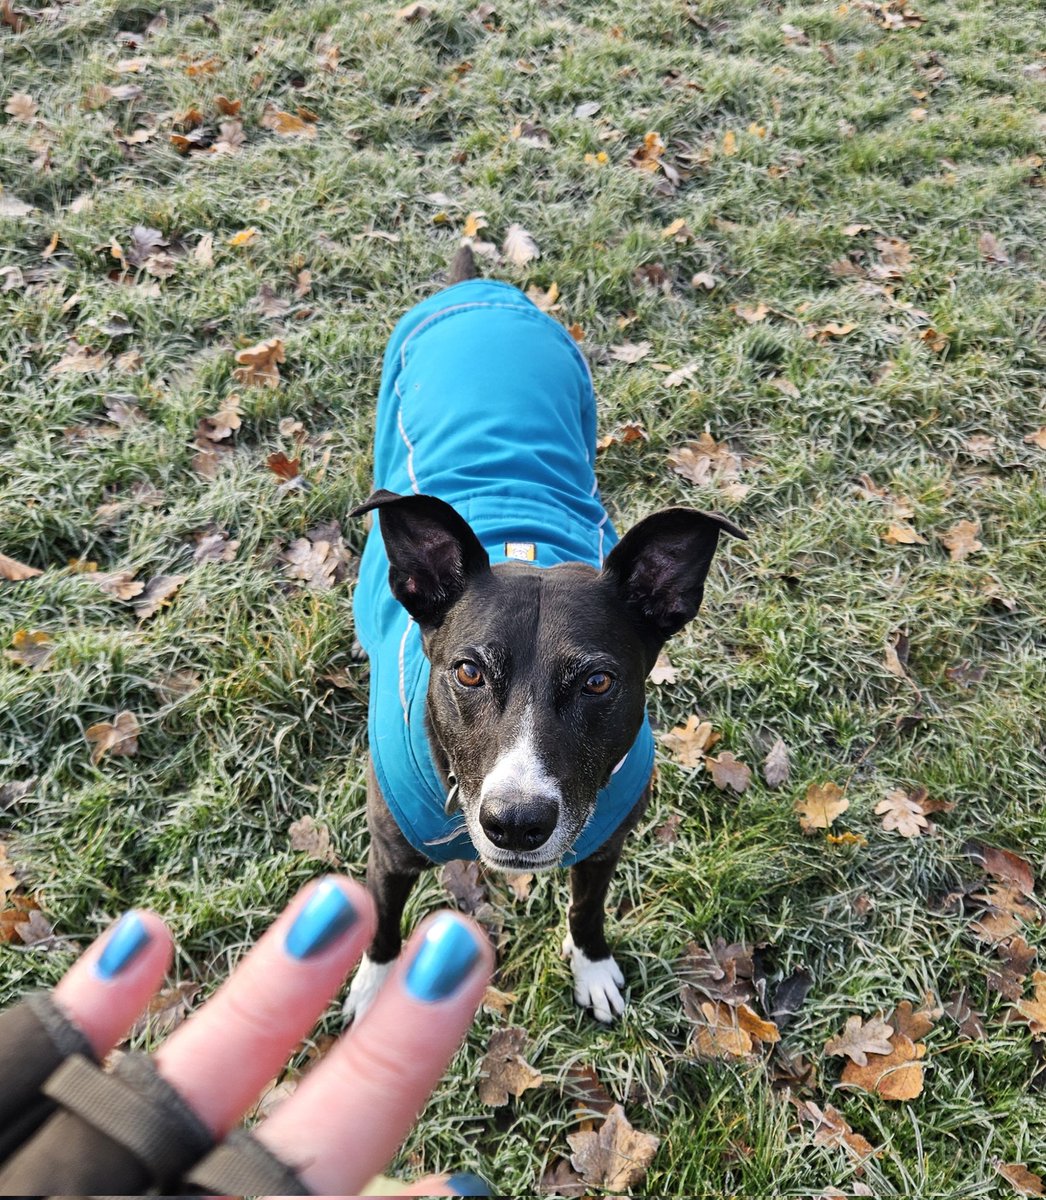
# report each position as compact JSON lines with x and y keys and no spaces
{"x":15,"y":571}
{"x":1032,"y":1010}
{"x":915,"y":1023}
{"x":861,"y":1038}
{"x":662,"y":671}
{"x":894,"y":1076}
{"x":726,"y":1031}
{"x":629,"y":352}
{"x":727,"y":771}
{"x":503,"y":1071}
{"x":287,"y":469}
{"x":961,"y":540}
{"x":286,"y":124}
{"x":121,"y":585}
{"x":1003,"y":865}
{"x":312,"y":838}
{"x":1020,"y":1178}
{"x":832,"y":1129}
{"x":902,"y":813}
{"x":902,"y":534}
{"x":615,"y":1156}
{"x":159,"y":591}
{"x":32,"y":648}
{"x":259,"y":364}
{"x":214,"y":547}
{"x":820,"y":806}
{"x":1036,"y":438}
{"x":165,"y":1012}
{"x":118,"y":738}
{"x":688,"y":743}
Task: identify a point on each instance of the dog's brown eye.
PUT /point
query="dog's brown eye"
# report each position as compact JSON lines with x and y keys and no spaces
{"x":598,"y":683}
{"x":468,"y":675}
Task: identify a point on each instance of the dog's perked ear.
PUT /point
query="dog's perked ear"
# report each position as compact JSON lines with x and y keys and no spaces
{"x":659,"y":567}
{"x":433,"y":553}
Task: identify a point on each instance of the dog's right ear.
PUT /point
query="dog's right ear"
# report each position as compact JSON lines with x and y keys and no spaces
{"x":433,"y":553}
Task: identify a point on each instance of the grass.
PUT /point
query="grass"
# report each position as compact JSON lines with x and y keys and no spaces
{"x":413,"y":132}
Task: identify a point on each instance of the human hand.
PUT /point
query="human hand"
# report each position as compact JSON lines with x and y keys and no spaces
{"x":349,"y":1114}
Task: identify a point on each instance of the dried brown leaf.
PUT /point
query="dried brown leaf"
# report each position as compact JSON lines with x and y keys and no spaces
{"x":118,"y":738}
{"x":961,"y":540}
{"x":662,"y":671}
{"x":776,"y":766}
{"x":894,"y":1076}
{"x":286,"y":124}
{"x":32,"y":648}
{"x":689,"y":743}
{"x":821,"y":805}
{"x":503,"y":1071}
{"x":313,"y":839}
{"x":121,"y":585}
{"x":861,"y":1038}
{"x":159,"y":591}
{"x":1020,"y":1178}
{"x":259,"y":364}
{"x":902,"y":813}
{"x":728,"y":772}
{"x":615,"y":1156}
{"x":901,"y":534}
{"x":12,"y":569}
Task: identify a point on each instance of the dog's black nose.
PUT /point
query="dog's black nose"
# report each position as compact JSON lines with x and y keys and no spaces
{"x":518,"y":823}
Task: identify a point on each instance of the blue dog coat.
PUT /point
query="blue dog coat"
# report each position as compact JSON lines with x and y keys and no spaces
{"x":479,"y":365}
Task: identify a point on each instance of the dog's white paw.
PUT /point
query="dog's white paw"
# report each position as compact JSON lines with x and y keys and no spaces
{"x":366,"y":984}
{"x":597,"y":983}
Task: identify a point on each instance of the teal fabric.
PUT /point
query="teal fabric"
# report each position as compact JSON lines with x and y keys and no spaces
{"x":479,"y":365}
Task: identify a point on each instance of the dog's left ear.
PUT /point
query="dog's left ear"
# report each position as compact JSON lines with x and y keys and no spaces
{"x":433,"y":553}
{"x":659,"y":567}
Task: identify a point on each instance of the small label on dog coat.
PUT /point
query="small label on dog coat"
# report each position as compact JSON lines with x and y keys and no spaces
{"x":527,"y":551}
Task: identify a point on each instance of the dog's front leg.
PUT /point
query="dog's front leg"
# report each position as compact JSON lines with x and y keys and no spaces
{"x":393,"y":866}
{"x":597,"y":977}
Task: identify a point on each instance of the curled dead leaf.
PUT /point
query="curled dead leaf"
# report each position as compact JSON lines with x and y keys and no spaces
{"x":118,"y":738}
{"x":159,"y":591}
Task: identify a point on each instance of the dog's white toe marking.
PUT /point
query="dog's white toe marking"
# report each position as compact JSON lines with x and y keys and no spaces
{"x":365,"y":987}
{"x":597,"y":982}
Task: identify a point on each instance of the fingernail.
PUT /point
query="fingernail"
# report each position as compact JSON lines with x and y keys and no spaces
{"x":127,"y":939}
{"x":325,"y":917}
{"x":447,"y":954}
{"x":464,"y":1183}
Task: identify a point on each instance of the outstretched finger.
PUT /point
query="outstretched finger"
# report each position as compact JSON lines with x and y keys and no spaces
{"x":223,"y":1056}
{"x":107,"y":988}
{"x":348,"y":1116}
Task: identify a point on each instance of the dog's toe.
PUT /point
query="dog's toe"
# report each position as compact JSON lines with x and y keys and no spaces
{"x":365,"y":987}
{"x":597,"y":983}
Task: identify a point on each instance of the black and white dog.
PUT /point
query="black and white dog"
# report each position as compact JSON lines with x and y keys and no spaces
{"x":509,"y":633}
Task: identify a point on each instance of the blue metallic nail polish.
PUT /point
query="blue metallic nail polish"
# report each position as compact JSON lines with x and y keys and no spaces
{"x":127,"y":939}
{"x":464,"y":1183}
{"x":446,"y":956}
{"x":326,"y":916}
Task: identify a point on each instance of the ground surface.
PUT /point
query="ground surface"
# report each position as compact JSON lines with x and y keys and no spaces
{"x":873,"y":180}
